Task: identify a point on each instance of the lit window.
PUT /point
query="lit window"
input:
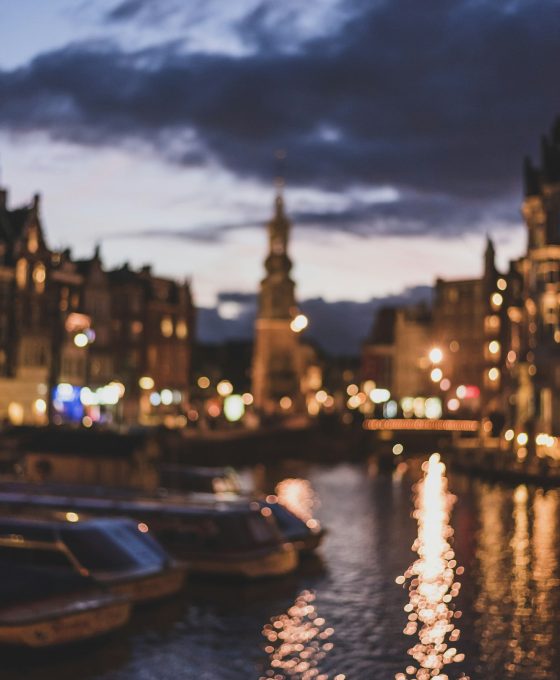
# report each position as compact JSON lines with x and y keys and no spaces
{"x":166,"y":327}
{"x":492,"y":323}
{"x":21,"y":273}
{"x":452,"y":294}
{"x":33,"y":241}
{"x":39,"y":277}
{"x":15,"y":413}
{"x":181,"y":329}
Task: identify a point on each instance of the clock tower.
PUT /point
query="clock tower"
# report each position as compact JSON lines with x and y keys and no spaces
{"x":277,"y":361}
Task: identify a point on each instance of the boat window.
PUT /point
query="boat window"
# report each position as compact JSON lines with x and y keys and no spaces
{"x":35,"y":557}
{"x":99,"y":550}
{"x":144,"y":548}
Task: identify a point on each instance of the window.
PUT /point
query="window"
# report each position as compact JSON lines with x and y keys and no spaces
{"x":166,"y":326}
{"x":21,"y":273}
{"x":181,"y":329}
{"x":98,"y":550}
{"x":452,"y":294}
{"x":136,"y":327}
{"x":33,"y":241}
{"x":39,"y":277}
{"x":492,"y":323}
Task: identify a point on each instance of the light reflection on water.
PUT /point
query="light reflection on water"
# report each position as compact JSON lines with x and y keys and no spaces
{"x":431,"y":579}
{"x":298,"y":496}
{"x":297,"y":642}
{"x":518,"y":567}
{"x":507,"y":539}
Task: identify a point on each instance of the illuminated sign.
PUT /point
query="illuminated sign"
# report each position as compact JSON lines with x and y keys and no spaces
{"x":428,"y":425}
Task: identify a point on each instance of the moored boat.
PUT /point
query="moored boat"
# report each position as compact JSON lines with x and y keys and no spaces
{"x":306,"y":536}
{"x":196,"y":479}
{"x":235,"y":539}
{"x":42,"y":608}
{"x":115,"y":552}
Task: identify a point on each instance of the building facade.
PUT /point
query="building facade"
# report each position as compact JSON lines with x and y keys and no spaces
{"x":378,"y":352}
{"x":79,"y":343}
{"x":454,"y":350}
{"x":470,"y":328}
{"x":533,"y":359}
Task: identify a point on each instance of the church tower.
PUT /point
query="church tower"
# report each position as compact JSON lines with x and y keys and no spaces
{"x":277,"y":369}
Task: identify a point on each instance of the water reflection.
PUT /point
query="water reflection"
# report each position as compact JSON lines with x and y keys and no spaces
{"x":518,"y":598}
{"x":298,"y":496}
{"x":297,"y":641}
{"x":545,"y":574}
{"x":431,"y":579}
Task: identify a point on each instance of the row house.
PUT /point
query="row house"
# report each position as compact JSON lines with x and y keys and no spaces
{"x":79,"y":343}
{"x":495,"y":340}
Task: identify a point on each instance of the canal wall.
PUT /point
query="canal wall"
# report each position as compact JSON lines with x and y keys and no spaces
{"x":73,"y":455}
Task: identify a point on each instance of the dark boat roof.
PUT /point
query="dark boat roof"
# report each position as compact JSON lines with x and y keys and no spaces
{"x":42,"y":528}
{"x":211,"y":508}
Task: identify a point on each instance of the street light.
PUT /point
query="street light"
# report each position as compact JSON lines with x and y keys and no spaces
{"x":81,"y":340}
{"x":436,"y":355}
{"x":436,"y":375}
{"x":299,"y":323}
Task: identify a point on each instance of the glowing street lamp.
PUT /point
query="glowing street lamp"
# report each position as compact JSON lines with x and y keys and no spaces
{"x":224,"y":388}
{"x":436,"y":355}
{"x":299,"y":323}
{"x":436,"y":375}
{"x":81,"y":340}
{"x":146,"y":383}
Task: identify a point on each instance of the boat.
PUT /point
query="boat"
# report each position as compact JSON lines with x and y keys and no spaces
{"x":226,"y":539}
{"x":115,"y":552}
{"x":196,"y":479}
{"x":42,"y":608}
{"x":305,"y":536}
{"x":214,"y":538}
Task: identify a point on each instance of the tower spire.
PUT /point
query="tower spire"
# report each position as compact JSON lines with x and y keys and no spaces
{"x":277,"y":369}
{"x":279,"y":182}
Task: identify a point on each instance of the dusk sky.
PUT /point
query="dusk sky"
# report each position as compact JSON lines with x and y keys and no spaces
{"x":150,"y":126}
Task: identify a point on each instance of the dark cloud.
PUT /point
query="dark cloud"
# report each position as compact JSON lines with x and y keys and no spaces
{"x":439,"y":99}
{"x":212,"y":233}
{"x":337,"y":327}
{"x":142,"y":11}
{"x":410,"y":214}
{"x":126,"y":10}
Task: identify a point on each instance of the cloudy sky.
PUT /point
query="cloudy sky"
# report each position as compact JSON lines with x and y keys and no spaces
{"x":151,"y":125}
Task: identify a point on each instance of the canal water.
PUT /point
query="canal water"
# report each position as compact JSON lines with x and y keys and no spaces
{"x":449,"y":578}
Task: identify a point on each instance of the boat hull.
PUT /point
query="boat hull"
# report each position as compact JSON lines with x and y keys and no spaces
{"x":154,"y":587}
{"x":62,"y":622}
{"x":310,"y":543}
{"x":279,"y":562}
